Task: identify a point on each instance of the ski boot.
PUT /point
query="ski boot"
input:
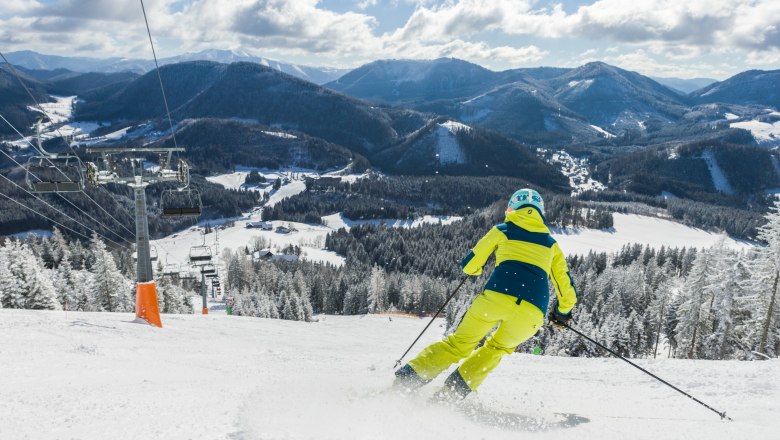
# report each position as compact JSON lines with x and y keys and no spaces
{"x":407,"y":380}
{"x":454,"y":390}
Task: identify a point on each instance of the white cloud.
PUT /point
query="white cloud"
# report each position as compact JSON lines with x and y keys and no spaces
{"x":365,"y":4}
{"x":643,"y":62}
{"x":655,"y":34}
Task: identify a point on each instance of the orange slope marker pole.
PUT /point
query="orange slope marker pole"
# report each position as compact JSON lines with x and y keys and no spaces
{"x":146,"y":306}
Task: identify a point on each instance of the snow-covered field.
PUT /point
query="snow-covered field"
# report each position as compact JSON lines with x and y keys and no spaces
{"x":631,"y":228}
{"x":338,"y":221}
{"x":764,"y":132}
{"x":101,"y":375}
{"x":58,"y":113}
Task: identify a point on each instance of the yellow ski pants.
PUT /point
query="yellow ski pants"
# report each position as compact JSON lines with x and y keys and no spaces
{"x":517,"y":323}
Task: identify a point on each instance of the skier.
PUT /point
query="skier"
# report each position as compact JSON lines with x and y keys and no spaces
{"x":515,"y":297}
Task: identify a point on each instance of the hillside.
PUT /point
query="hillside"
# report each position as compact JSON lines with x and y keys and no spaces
{"x":752,"y":87}
{"x":14,"y":100}
{"x":615,"y":98}
{"x":536,"y":105}
{"x":410,"y":82}
{"x":253,"y":92}
{"x":449,"y":147}
{"x":92,"y":375}
{"x":218,"y":145}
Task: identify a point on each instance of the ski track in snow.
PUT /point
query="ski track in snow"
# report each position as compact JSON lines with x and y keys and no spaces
{"x":101,"y":375}
{"x":448,"y":150}
{"x":719,"y":178}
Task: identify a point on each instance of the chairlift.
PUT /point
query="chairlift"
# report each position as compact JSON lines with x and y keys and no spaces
{"x":181,"y":202}
{"x":208,"y":269}
{"x":187,"y":276}
{"x":52,"y":172}
{"x":200,"y":254}
{"x":171,"y":270}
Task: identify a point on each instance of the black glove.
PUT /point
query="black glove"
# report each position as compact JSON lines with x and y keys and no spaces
{"x":557,"y":318}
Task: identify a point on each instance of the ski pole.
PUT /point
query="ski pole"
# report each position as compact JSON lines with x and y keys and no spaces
{"x":722,"y":414}
{"x":398,"y":362}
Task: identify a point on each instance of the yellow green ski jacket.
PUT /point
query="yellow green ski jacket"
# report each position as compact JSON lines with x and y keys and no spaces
{"x":526,"y":256}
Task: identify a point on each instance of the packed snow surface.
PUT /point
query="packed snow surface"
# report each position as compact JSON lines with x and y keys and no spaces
{"x":101,"y":375}
{"x":631,"y":228}
{"x":719,"y":178}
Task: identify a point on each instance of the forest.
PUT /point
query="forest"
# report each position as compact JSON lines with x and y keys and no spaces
{"x":55,"y":273}
{"x":715,"y":303}
{"x":406,"y":197}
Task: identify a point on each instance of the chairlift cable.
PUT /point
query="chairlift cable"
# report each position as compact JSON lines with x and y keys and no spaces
{"x":59,"y":211}
{"x":159,"y":76}
{"x":60,"y":194}
{"x":43,"y":215}
{"x":70,"y":147}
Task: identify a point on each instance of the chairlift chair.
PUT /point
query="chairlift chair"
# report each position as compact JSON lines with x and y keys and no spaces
{"x":171,"y":270}
{"x":51,"y":172}
{"x":187,"y":276}
{"x":54,"y":173}
{"x":208,"y":269}
{"x":181,"y":202}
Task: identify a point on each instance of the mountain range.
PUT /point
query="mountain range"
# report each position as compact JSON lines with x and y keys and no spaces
{"x":418,"y":117}
{"x":37,"y":61}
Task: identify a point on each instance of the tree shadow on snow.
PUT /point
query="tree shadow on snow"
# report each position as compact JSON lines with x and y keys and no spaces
{"x":520,"y":422}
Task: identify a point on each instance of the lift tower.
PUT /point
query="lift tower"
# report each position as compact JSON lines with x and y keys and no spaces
{"x":133,"y":173}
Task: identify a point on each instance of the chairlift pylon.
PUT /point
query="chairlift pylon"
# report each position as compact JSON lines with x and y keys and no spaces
{"x":152,"y":254}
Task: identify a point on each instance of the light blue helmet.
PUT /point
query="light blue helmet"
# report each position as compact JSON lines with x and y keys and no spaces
{"x":525,"y":197}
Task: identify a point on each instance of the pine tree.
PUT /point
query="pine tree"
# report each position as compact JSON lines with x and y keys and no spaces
{"x":767,"y":277}
{"x":35,"y":282}
{"x":377,"y":295}
{"x":694,"y":308}
{"x":111,"y":288}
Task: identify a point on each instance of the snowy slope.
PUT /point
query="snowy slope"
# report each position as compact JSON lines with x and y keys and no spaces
{"x":719,"y":178}
{"x":763,"y":132}
{"x":100,"y":375}
{"x":631,"y":228}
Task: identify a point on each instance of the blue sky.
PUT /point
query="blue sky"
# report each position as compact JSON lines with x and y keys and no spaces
{"x":683,"y":38}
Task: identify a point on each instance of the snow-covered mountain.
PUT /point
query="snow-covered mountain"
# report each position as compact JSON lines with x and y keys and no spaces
{"x":758,"y":87}
{"x":34,"y":60}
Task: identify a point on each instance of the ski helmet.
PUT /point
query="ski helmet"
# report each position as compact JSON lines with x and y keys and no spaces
{"x":525,"y":197}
